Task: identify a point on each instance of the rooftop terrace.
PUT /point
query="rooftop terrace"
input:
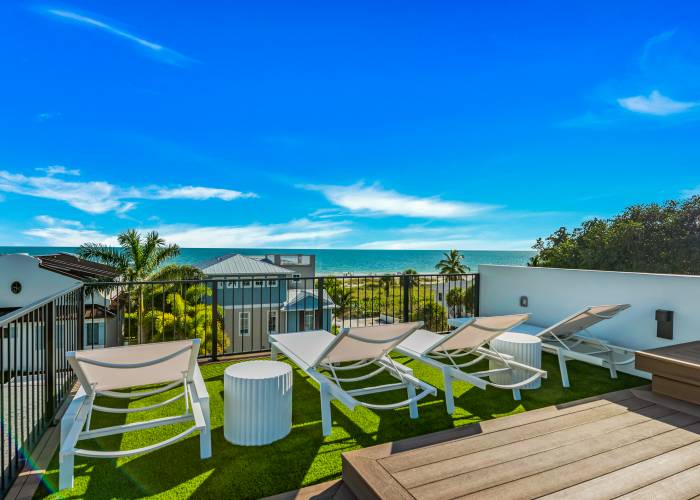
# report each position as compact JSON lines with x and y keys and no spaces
{"x":304,"y":457}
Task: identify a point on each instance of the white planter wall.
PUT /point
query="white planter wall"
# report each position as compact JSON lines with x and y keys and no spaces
{"x":556,"y":293}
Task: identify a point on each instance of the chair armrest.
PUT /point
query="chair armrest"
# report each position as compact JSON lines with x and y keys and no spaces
{"x":198,"y":384}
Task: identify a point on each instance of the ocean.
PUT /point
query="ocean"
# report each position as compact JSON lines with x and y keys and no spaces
{"x":338,"y":261}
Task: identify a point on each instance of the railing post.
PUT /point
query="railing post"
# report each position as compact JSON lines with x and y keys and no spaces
{"x":406,"y":297}
{"x":50,"y":360}
{"x":320,"y":301}
{"x":214,"y":320}
{"x":81,"y":319}
{"x":477,"y":290}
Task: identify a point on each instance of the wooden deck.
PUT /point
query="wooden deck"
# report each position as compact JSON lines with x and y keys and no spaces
{"x":630,"y":443}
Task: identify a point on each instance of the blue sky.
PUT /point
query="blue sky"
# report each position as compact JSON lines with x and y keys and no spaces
{"x":471,"y":125}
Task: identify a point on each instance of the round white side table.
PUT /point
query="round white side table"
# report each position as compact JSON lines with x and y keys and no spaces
{"x":257,"y":402}
{"x":524,"y":348}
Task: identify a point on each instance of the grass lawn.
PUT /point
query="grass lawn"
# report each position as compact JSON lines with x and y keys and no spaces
{"x":304,"y":457}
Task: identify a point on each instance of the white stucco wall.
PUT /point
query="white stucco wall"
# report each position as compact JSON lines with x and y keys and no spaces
{"x":554,"y":294}
{"x":37,"y":283}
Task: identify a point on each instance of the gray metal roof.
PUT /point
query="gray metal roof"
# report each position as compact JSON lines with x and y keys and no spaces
{"x":239,"y":265}
{"x":295,"y":296}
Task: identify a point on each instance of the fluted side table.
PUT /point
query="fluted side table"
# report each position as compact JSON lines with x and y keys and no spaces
{"x":526,"y":349}
{"x":257,"y":402}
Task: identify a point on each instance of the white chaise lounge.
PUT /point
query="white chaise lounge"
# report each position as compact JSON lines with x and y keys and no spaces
{"x":106,"y":372}
{"x":323,"y":356}
{"x":566,"y":339}
{"x":466,"y":346}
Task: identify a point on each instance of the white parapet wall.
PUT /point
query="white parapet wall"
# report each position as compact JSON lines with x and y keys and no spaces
{"x":553,"y":294}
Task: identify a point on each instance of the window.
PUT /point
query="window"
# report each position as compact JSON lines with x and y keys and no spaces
{"x":259,"y":283}
{"x":272,"y":283}
{"x":309,"y":320}
{"x":439,"y":296}
{"x":245,"y":283}
{"x":272,"y":321}
{"x":231,"y":284}
{"x":93,"y":334}
{"x":244,"y":324}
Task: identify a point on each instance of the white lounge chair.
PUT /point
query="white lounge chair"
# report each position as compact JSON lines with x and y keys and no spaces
{"x":464,"y":347}
{"x":105,"y":372}
{"x":323,"y":355}
{"x":565,"y":339}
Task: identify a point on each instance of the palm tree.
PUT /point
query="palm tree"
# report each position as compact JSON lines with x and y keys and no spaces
{"x":411,"y":277}
{"x":452,"y":263}
{"x":455,"y":300}
{"x":140,"y":258}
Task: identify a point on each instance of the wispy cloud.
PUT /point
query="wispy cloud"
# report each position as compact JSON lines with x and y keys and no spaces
{"x":42,"y":117}
{"x":447,"y":244}
{"x":295,"y":233}
{"x":375,"y":200}
{"x":98,"y":197}
{"x":58,"y":170}
{"x":655,"y":104}
{"x":160,"y":52}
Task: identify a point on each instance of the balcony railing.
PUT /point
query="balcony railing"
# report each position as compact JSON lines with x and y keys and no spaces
{"x":35,"y":375}
{"x":235,"y":315}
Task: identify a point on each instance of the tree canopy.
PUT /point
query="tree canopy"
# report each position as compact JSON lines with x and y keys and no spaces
{"x":452,"y":263}
{"x":653,"y":238}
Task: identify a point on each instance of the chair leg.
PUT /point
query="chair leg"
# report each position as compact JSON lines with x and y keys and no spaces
{"x":611,"y":362}
{"x":562,"y":368}
{"x":326,"y":421}
{"x":66,"y":461}
{"x":413,"y":405}
{"x":449,"y":395}
{"x":205,"y":434}
{"x":273,"y":352}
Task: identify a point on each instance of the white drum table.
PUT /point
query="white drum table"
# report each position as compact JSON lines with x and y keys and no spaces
{"x":524,"y":348}
{"x":257,"y":402}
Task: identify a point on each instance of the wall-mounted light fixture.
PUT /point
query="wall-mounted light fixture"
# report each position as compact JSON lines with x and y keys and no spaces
{"x":523,"y":301}
{"x":664,"y":324}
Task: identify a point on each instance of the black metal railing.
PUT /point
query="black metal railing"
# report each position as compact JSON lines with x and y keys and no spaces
{"x":35,"y":375}
{"x":235,"y":315}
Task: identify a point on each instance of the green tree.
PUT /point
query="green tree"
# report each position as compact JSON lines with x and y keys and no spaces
{"x":452,"y":263}
{"x":455,"y":300}
{"x":655,"y":238}
{"x":434,"y":316}
{"x":140,"y":258}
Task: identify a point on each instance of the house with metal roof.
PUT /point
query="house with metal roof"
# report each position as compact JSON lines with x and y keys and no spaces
{"x":259,"y":298}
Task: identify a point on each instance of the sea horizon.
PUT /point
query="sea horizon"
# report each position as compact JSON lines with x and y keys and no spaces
{"x":335,"y":261}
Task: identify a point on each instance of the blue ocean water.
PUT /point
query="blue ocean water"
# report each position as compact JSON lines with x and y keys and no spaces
{"x":339,"y":261}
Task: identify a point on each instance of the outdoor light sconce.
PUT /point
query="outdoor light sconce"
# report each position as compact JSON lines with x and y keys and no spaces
{"x":664,"y":324}
{"x":523,"y":301}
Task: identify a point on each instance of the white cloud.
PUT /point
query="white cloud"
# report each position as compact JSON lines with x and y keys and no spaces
{"x":300,"y":232}
{"x":375,"y":200}
{"x":447,"y":244}
{"x":42,"y":117}
{"x":655,"y":104}
{"x":157,"y":50}
{"x":200,"y":193}
{"x":97,"y":197}
{"x":58,"y":170}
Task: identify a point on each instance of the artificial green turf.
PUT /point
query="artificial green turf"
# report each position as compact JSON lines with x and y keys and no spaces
{"x":304,"y":457}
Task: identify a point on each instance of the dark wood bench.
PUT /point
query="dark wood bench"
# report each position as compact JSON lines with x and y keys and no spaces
{"x":675,"y":370}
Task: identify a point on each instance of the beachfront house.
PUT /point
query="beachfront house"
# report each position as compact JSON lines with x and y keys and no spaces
{"x":259,"y":297}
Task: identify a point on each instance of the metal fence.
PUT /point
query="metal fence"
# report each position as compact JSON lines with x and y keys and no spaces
{"x":235,"y":315}
{"x":35,"y":375}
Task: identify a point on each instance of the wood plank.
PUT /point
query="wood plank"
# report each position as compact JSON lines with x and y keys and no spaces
{"x":508,"y":434}
{"x":369,"y":480}
{"x":676,"y":389}
{"x":628,"y":479}
{"x":552,"y":478}
{"x":549,"y":471}
{"x":323,"y":491}
{"x":683,"y":485}
{"x":488,"y":457}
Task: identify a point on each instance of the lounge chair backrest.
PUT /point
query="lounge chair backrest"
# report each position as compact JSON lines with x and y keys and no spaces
{"x":477,"y":332}
{"x":134,"y":365}
{"x":582,"y":320}
{"x":368,"y":342}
